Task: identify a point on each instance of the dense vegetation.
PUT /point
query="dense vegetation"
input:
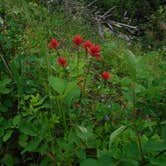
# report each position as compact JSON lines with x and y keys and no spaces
{"x":65,"y":101}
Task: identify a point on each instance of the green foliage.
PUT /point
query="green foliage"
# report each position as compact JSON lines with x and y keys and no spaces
{"x":54,"y":115}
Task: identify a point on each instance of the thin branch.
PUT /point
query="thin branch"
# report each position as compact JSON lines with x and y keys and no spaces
{"x":160,"y":153}
{"x":5,"y":62}
{"x":108,"y":12}
{"x":118,"y":24}
{"x":93,"y":2}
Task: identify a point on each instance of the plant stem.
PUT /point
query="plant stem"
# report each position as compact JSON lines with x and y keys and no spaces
{"x":78,"y":57}
{"x":52,"y":158}
{"x":134,"y":121}
{"x":48,"y":74}
{"x":62,"y":113}
{"x":58,"y":53}
{"x":87,"y":73}
{"x":5,"y":62}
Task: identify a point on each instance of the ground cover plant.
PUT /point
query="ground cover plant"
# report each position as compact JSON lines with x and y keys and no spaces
{"x":69,"y":98}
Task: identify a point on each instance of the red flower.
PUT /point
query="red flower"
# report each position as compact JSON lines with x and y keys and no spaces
{"x":77,"y":40}
{"x":106,"y":75}
{"x":62,"y":61}
{"x":87,"y":44}
{"x":94,"y":49}
{"x":53,"y":43}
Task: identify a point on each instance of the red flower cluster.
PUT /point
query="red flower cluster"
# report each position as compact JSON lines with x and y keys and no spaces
{"x":87,"y":45}
{"x":93,"y":50}
{"x":62,"y":61}
{"x":106,"y":75}
{"x":53,"y":43}
{"x":78,"y":40}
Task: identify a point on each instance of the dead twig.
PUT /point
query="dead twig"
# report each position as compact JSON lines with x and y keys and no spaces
{"x":90,"y":4}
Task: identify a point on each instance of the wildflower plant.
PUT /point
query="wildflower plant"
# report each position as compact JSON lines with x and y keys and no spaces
{"x":68,"y":99}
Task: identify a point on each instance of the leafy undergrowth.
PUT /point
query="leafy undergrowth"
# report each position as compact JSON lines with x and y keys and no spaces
{"x":65,"y":101}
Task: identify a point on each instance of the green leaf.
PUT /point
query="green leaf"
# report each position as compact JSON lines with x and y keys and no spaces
{"x":89,"y":162}
{"x":57,"y":84}
{"x":23,"y":140}
{"x":131,"y":63}
{"x":115,"y":134}
{"x":163,"y":133}
{"x":3,"y":108}
{"x":3,"y":84}
{"x":46,"y":161}
{"x":72,"y":93}
{"x":158,"y":162}
{"x":127,"y":162}
{"x":28,"y":129}
{"x":1,"y":131}
{"x":32,"y":145}
{"x":16,"y":120}
{"x":84,"y":133}
{"x":7,"y":135}
{"x":106,"y":161}
{"x":8,"y":160}
{"x":153,"y":146}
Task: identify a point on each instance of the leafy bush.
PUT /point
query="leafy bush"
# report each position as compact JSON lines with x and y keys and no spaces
{"x":64,"y":104}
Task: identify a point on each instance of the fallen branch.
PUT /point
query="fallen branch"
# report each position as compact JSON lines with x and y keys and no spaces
{"x":107,"y":13}
{"x":118,"y":24}
{"x":90,"y":4}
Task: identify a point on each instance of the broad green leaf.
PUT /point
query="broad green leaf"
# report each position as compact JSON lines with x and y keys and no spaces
{"x":158,"y":162}
{"x":23,"y":140}
{"x":69,"y":87}
{"x":3,"y":84}
{"x":1,"y":132}
{"x":89,"y":162}
{"x":116,"y":133}
{"x":7,"y":135}
{"x":150,"y":124}
{"x":46,"y":161}
{"x":16,"y":120}
{"x":8,"y":160}
{"x":57,"y":84}
{"x":84,"y":133}
{"x":3,"y":108}
{"x":127,"y":162}
{"x":72,"y":95}
{"x":131,"y":63}
{"x":106,"y":161}
{"x":163,"y":133}
{"x":153,"y":146}
{"x":83,"y":129}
